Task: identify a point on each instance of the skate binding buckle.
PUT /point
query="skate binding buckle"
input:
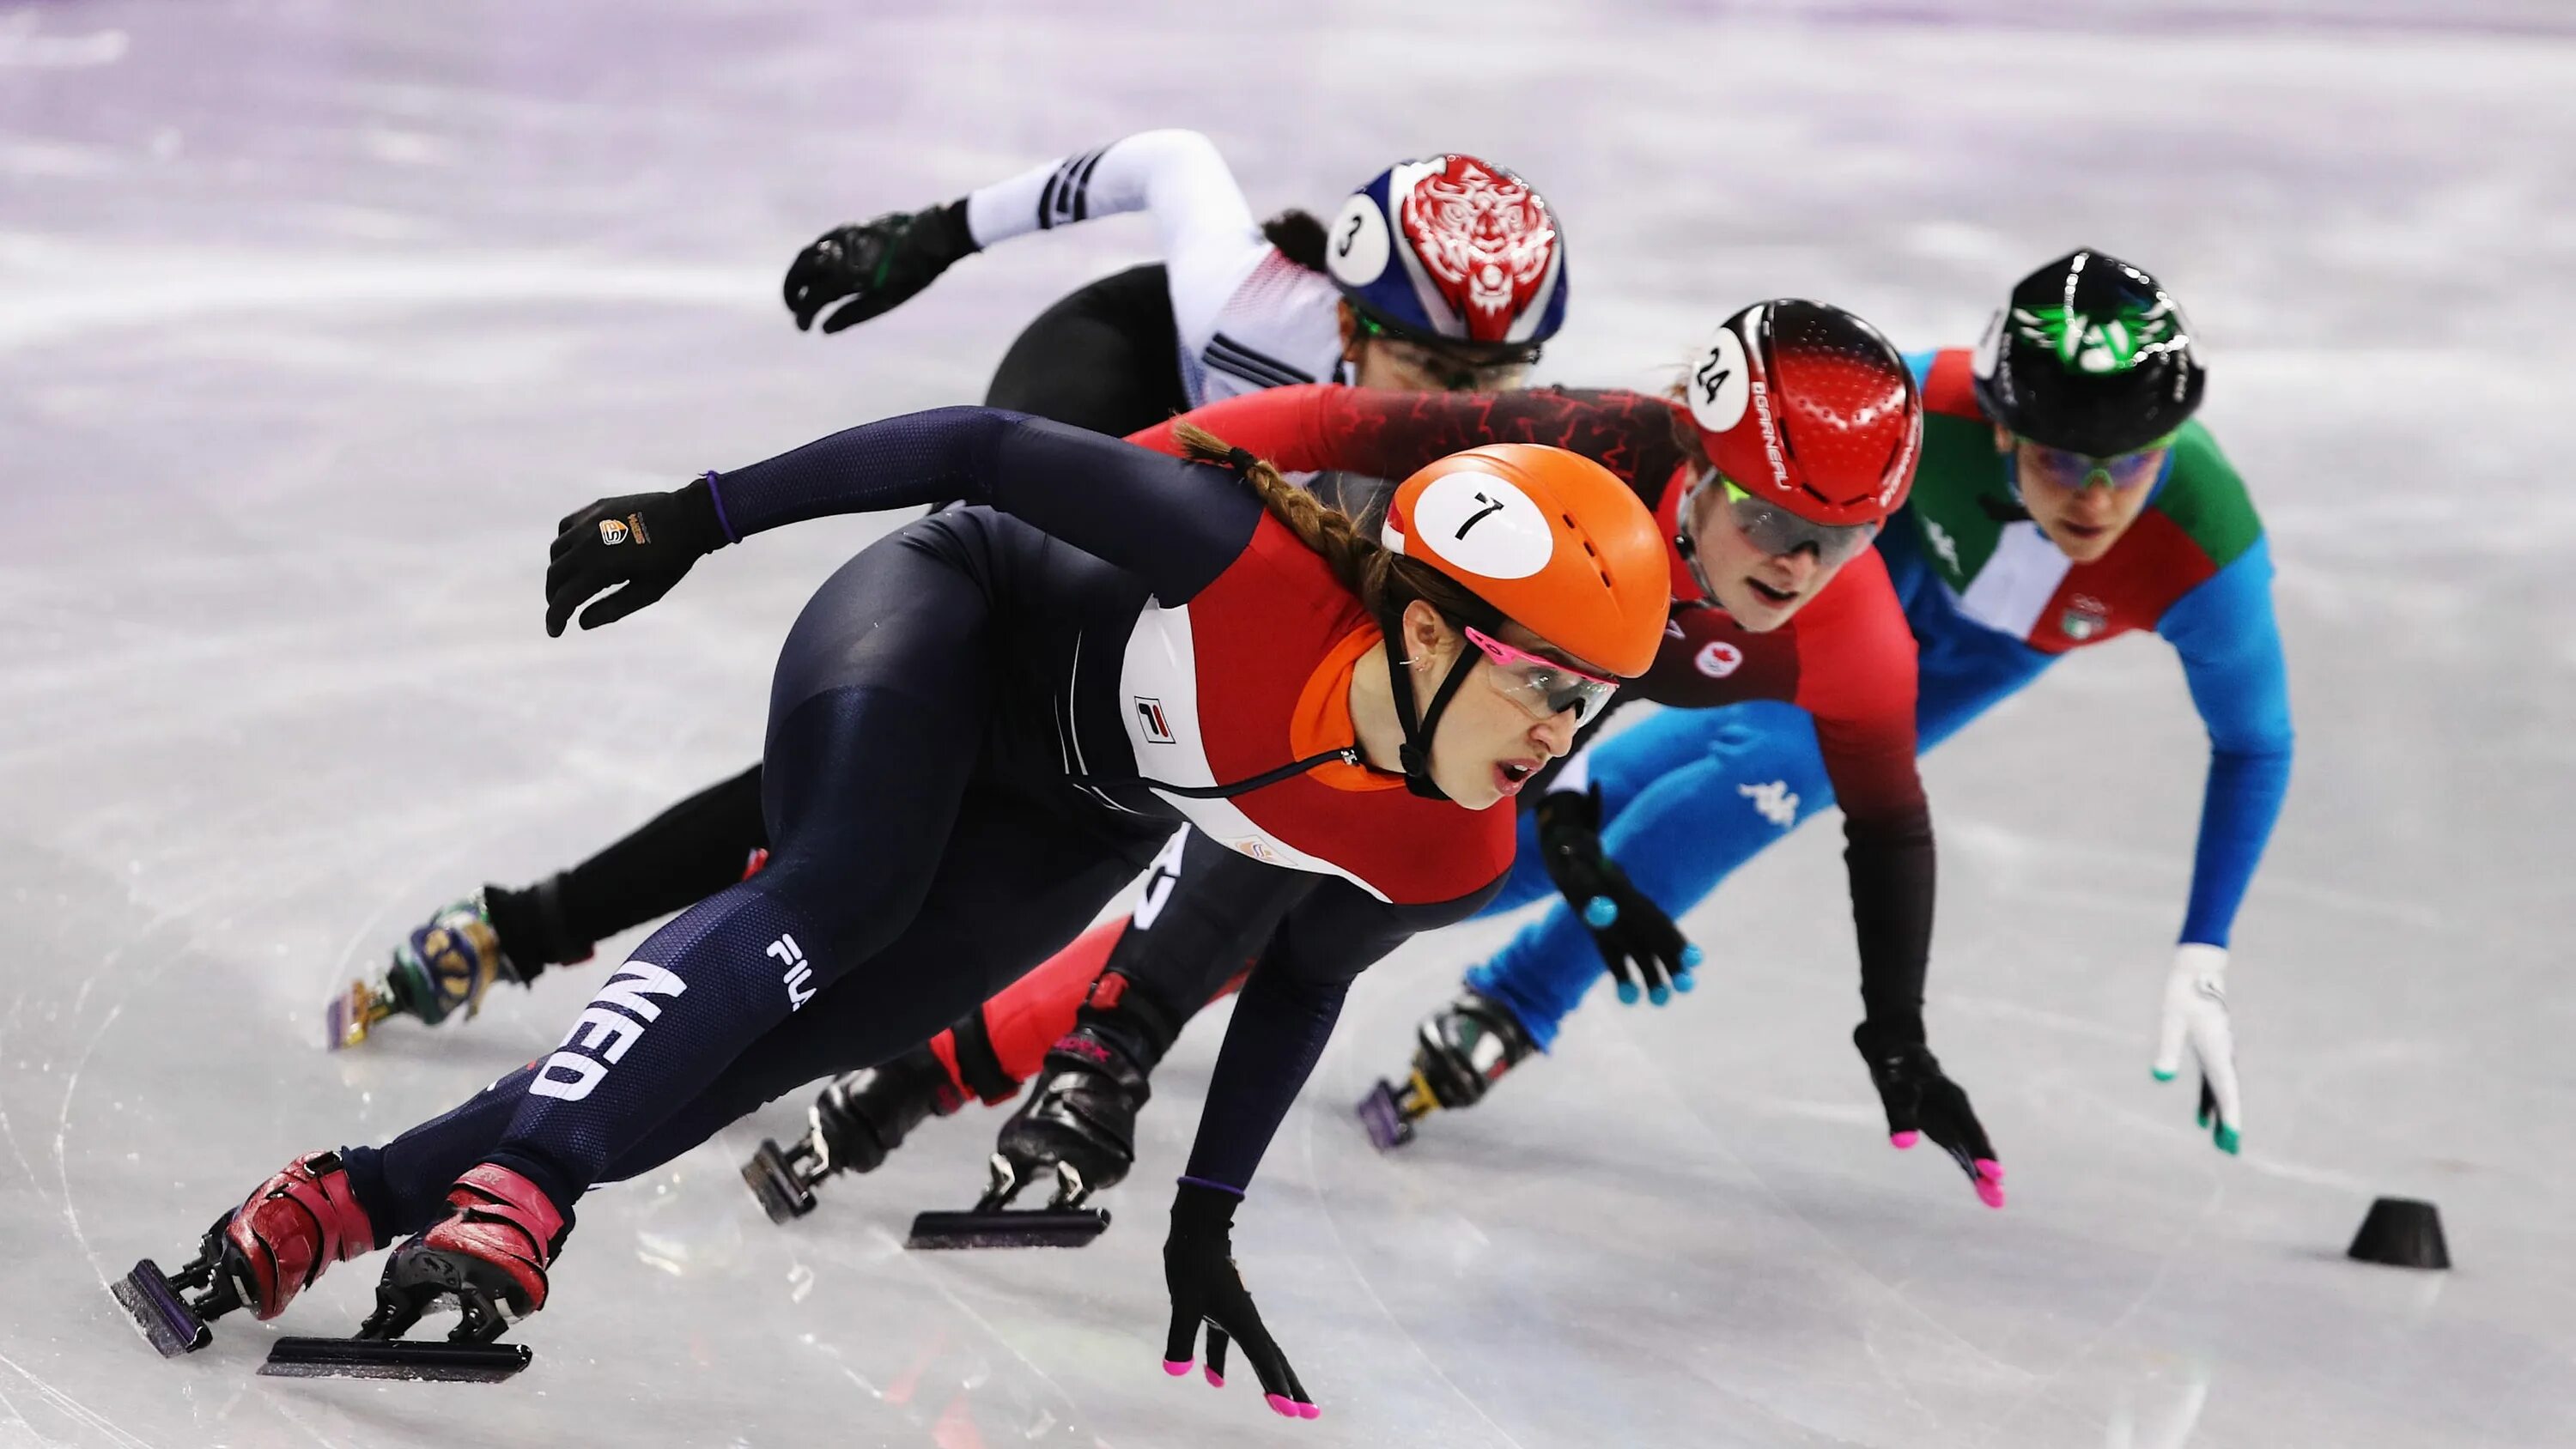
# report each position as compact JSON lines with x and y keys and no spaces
{"x":1389,"y":1111}
{"x":783,"y":1178}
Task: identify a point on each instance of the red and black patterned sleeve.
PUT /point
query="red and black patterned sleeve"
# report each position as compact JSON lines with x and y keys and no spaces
{"x":1857,"y":678}
{"x":1390,"y":435}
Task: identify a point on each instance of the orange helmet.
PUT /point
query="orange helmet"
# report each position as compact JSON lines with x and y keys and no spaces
{"x":1551,"y":539}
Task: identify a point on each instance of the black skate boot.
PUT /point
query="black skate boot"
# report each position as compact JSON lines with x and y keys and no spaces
{"x":1459,"y":1052}
{"x":853,"y":1125}
{"x":1078,"y":1126}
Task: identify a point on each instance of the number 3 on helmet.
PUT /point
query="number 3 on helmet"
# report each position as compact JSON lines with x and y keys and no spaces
{"x":1452,"y":250}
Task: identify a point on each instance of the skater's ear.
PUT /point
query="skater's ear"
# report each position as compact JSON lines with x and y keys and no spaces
{"x":1430,"y":641}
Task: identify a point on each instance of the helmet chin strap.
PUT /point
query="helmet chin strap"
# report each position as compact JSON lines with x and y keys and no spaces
{"x":1416,"y":753}
{"x":1686,"y":531}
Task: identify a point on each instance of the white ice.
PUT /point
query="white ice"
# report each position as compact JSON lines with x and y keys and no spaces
{"x":314,"y":316}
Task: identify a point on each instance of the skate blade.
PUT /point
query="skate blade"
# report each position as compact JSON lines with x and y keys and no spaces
{"x":352,"y":1014}
{"x":1388,"y":1125}
{"x":774,"y":1183}
{"x":168,"y":1323}
{"x":1008,"y":1228}
{"x":429,"y":1360}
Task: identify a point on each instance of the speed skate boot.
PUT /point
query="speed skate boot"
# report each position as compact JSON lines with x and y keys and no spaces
{"x":442,"y":967}
{"x":1078,"y":1127}
{"x":490,"y":1253}
{"x":852,"y":1127}
{"x":1459,"y":1052}
{"x":258,"y":1256}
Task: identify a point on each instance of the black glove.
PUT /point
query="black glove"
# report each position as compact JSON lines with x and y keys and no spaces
{"x":876,"y":264}
{"x":644,"y":541}
{"x":1627,"y":927}
{"x":1198,"y":1266}
{"x":1920,"y":1099}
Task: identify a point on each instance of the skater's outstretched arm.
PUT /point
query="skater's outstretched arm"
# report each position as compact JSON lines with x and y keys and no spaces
{"x":2231,"y":656}
{"x":1383,"y":434}
{"x":1280,"y":1024}
{"x":2232,"y":660}
{"x":1204,"y":227}
{"x":1287,"y":1010}
{"x":1175,"y":525}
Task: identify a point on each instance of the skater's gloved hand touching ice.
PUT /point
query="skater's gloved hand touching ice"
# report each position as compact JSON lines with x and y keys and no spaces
{"x":643,"y":541}
{"x":1644,"y":949}
{"x":2196,"y":1013}
{"x":1198,"y":1266}
{"x":1920,"y":1100}
{"x":875,"y":265}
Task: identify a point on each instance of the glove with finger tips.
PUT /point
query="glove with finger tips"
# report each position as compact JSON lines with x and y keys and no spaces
{"x":1921,"y":1100}
{"x":875,"y":266}
{"x":1637,"y":940}
{"x":2195,"y":1014}
{"x":1206,"y":1287}
{"x":639,"y":545}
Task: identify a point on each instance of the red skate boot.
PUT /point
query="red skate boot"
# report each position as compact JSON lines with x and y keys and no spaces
{"x":258,"y":1256}
{"x":490,"y":1253}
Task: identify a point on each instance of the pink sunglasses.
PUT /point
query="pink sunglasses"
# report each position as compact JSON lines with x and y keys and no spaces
{"x":1541,"y":685}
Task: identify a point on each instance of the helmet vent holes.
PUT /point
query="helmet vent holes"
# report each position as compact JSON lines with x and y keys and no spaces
{"x":1832,"y":431}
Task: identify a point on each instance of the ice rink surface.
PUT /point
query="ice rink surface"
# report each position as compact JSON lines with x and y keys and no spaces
{"x":314,"y":317}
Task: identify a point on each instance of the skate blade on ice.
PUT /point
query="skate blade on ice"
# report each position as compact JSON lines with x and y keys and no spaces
{"x":349,"y":1016}
{"x":373,"y":1358}
{"x":772,"y":1178}
{"x":1389,"y":1125}
{"x":1008,"y":1228}
{"x":168,"y":1323}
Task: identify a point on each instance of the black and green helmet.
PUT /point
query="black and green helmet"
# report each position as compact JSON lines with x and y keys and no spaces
{"x":2090,"y":355}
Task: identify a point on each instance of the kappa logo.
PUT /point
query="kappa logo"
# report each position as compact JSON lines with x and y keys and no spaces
{"x":600,"y":1038}
{"x":1718,"y":659}
{"x":1157,"y":725}
{"x":1773,"y":802}
{"x":1942,"y":543}
{"x":799,"y":976}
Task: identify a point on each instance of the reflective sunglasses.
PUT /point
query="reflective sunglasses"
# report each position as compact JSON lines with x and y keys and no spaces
{"x":1543,"y":686}
{"x":2078,"y":471}
{"x":1777,"y":531}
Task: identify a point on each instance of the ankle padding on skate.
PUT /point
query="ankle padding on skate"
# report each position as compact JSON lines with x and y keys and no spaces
{"x":291,"y":1227}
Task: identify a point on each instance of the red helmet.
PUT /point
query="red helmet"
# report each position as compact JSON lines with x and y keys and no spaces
{"x":1807,"y":406}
